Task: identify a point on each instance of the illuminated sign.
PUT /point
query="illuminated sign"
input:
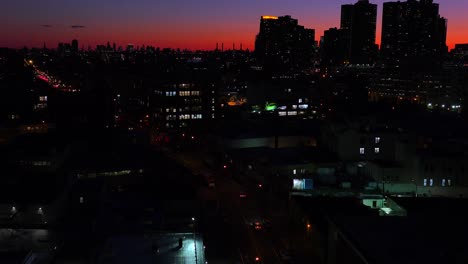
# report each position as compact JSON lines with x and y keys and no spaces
{"x":236,"y":101}
{"x":270,"y":17}
{"x":270,"y":106}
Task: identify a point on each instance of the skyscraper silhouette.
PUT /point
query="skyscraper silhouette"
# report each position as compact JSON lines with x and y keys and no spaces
{"x":413,"y":34}
{"x":74,"y":46}
{"x":282,"y":41}
{"x":359,"y":22}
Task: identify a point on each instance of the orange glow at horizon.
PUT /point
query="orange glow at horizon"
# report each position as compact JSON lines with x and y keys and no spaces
{"x":201,"y":36}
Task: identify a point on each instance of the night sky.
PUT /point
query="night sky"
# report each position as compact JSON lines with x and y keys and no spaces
{"x":193,"y":24}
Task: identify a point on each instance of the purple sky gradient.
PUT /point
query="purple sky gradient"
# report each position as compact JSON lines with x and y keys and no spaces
{"x":177,"y":23}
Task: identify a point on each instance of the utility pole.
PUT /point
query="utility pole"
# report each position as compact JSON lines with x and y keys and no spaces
{"x":195,"y":240}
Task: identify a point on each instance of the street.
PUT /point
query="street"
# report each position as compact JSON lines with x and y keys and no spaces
{"x":274,"y":239}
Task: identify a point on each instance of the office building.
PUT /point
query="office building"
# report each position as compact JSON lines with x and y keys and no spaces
{"x":74,"y":46}
{"x":413,"y":34}
{"x":358,"y":23}
{"x":282,"y":41}
{"x":182,"y":105}
{"x":335,"y":47}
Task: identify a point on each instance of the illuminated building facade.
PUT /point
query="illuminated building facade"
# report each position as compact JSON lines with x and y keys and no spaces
{"x":282,"y":41}
{"x":441,"y":92}
{"x":181,"y":105}
{"x":335,"y":47}
{"x":358,"y":23}
{"x":413,"y":34}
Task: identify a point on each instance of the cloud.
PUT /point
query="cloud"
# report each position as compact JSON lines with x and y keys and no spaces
{"x":46,"y":26}
{"x":77,"y":26}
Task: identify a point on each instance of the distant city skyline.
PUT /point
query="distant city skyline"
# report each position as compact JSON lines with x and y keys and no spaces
{"x":178,"y":23}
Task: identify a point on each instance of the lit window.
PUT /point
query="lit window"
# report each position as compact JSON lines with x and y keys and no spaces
{"x":443,"y":182}
{"x":425,"y":182}
{"x":377,"y":140}
{"x":81,"y":200}
{"x":362,"y":151}
{"x":377,"y":150}
{"x":449,"y":182}
{"x":431,"y":182}
{"x":294,"y":172}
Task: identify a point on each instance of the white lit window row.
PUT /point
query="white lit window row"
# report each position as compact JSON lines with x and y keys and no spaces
{"x":301,"y":106}
{"x":189,"y":93}
{"x":171,"y":117}
{"x":40,"y":106}
{"x":301,"y":171}
{"x":287,"y":113}
{"x":171,"y":93}
{"x":444,"y":183}
{"x":193,"y":116}
{"x":37,"y":163}
{"x":362,"y":151}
